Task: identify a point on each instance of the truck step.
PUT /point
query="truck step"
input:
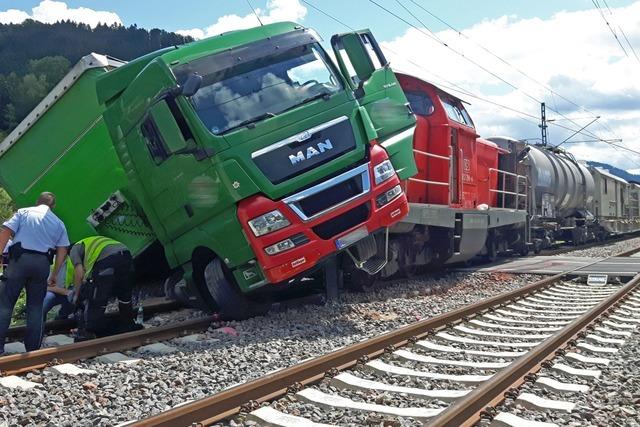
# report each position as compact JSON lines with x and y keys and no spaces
{"x":374,"y":264}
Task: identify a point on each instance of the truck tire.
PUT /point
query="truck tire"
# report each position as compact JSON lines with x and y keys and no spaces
{"x":232,"y":304}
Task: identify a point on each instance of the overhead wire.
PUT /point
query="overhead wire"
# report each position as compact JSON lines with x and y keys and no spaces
{"x":622,"y":31}
{"x":591,"y":134}
{"x":450,"y":86}
{"x":509,"y":64}
{"x":524,"y":115}
{"x":613,"y":32}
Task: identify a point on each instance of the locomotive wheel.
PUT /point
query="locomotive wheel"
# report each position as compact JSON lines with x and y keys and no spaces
{"x":524,"y":250}
{"x":232,"y":304}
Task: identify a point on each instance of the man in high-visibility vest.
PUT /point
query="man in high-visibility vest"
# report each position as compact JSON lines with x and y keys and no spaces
{"x":103,"y":268}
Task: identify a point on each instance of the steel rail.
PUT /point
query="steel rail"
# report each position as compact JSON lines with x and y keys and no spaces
{"x":25,"y":362}
{"x":229,"y":402}
{"x":64,"y":325}
{"x":468,"y":410}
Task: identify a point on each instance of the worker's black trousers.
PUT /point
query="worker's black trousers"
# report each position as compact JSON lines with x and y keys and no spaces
{"x":111,"y":277}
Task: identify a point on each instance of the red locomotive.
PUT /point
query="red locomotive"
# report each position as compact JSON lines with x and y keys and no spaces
{"x":465,"y":200}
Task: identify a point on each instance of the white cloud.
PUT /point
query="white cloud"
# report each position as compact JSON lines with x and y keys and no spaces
{"x":49,"y":11}
{"x":277,"y":10}
{"x":13,"y":16}
{"x":574,"y":53}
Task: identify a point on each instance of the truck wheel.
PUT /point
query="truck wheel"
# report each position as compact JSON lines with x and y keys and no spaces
{"x":232,"y":304}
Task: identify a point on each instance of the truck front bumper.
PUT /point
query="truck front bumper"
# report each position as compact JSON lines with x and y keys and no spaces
{"x":323,"y":223}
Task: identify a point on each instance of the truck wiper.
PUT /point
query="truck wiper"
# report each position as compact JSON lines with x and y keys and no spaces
{"x":250,"y":123}
{"x":323,"y":95}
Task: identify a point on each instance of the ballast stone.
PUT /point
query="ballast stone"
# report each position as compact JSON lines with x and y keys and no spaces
{"x":13,"y":382}
{"x":70,"y":369}
{"x":117,"y":358}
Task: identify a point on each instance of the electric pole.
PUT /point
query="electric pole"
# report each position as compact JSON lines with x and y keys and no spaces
{"x":543,"y":125}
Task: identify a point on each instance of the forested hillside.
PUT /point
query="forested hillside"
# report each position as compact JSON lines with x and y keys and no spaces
{"x":35,"y":56}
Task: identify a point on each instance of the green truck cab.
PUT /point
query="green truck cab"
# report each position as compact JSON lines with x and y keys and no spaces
{"x":249,"y":156}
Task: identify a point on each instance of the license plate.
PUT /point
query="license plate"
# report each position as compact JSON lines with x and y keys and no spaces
{"x":352,"y":237}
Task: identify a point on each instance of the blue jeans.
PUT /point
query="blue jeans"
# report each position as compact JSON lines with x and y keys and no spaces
{"x":51,"y":300}
{"x":30,"y":272}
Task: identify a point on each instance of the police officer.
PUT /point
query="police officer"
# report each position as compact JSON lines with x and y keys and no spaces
{"x":103,"y":268}
{"x":35,"y":233}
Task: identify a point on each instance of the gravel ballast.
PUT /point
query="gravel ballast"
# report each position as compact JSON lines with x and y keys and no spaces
{"x":613,"y":399}
{"x":605,"y":251}
{"x":252,"y":348}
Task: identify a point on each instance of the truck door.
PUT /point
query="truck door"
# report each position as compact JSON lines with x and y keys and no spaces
{"x":375,"y":85}
{"x":166,"y":175}
{"x":158,"y":152}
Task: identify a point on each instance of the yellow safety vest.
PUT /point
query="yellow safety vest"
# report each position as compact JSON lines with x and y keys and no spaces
{"x":68,"y":278}
{"x":69,"y":272}
{"x":93,"y":246}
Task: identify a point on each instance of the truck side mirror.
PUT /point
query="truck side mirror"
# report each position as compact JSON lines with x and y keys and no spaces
{"x":189,"y":88}
{"x":192,"y":85}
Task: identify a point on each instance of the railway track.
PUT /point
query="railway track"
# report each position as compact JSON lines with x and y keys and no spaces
{"x":449,"y":370}
{"x":58,"y":326}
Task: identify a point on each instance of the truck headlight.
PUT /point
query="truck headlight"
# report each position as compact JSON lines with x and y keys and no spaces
{"x":383,"y":171}
{"x":388,"y":196}
{"x":268,"y":222}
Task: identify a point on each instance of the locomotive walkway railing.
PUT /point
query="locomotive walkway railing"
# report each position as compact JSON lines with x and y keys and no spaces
{"x":434,"y":156}
{"x":516,"y":193}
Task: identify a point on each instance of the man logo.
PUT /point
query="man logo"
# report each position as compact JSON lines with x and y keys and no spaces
{"x":303,"y":155}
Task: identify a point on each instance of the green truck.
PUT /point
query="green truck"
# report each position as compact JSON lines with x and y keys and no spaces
{"x":250,"y":157}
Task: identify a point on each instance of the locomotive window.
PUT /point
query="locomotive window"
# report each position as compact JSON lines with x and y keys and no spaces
{"x":467,"y":117}
{"x":420,"y":102}
{"x":456,"y":113}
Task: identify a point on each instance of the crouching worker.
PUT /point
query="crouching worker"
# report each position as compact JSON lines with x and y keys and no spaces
{"x":57,"y":293}
{"x":103,"y":268}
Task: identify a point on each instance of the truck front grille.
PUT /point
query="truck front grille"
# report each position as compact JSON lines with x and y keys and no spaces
{"x":342,"y":223}
{"x":331,"y":194}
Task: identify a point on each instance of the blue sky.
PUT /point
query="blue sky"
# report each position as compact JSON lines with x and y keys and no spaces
{"x":175,"y":15}
{"x":559,"y":52}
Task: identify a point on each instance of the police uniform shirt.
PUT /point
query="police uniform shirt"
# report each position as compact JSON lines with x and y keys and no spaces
{"x":37,"y":229}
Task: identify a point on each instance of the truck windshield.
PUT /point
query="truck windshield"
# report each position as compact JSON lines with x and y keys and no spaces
{"x":248,"y":92}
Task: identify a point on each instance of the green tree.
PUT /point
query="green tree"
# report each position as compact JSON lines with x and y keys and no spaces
{"x":52,"y":68}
